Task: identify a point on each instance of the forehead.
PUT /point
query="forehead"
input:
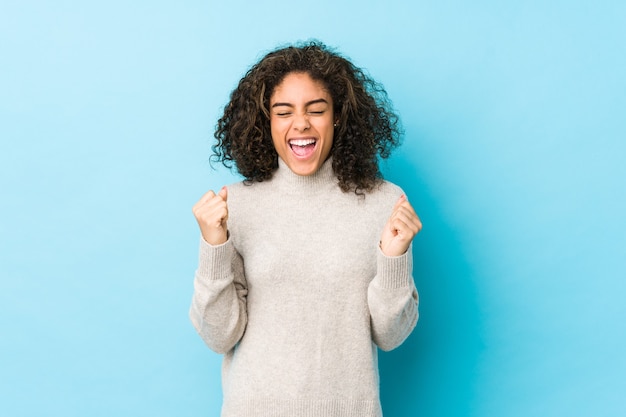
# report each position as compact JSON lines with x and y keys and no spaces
{"x":299,"y":86}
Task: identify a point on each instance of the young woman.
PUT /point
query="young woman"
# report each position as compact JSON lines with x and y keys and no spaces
{"x":305,"y":267}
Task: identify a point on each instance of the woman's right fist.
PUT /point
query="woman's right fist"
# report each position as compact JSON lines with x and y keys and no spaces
{"x":211,"y":213}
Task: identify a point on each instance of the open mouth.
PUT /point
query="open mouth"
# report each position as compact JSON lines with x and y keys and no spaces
{"x":302,"y":148}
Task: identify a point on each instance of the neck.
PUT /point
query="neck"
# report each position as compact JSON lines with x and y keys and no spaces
{"x":321,"y":178}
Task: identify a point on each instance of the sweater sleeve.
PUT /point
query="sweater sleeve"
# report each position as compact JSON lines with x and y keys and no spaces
{"x":393,"y":301}
{"x":218,"y":307}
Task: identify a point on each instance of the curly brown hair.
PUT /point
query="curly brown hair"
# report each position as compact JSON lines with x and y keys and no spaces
{"x":367,"y":127}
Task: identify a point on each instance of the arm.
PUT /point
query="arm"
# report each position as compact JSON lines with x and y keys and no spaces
{"x":392,"y":300}
{"x":391,"y":296}
{"x":218,"y":307}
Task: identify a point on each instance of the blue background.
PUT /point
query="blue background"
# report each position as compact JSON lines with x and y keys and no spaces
{"x":514,"y":157}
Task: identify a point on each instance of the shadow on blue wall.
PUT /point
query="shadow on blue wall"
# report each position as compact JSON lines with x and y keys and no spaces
{"x":433,"y":372}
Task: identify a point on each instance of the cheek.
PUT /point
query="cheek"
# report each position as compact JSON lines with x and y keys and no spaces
{"x":274,"y":130}
{"x":277,"y":126}
{"x":330,"y":132}
{"x":277,"y":140}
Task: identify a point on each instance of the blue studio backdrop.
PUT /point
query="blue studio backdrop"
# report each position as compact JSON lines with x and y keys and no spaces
{"x":514,"y":156}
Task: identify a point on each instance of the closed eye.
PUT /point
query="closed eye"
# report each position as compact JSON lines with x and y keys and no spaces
{"x":316,"y":112}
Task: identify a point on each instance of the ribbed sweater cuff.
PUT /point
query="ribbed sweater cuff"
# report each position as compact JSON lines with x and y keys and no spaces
{"x":215,"y":261}
{"x":395,"y":271}
{"x":301,"y":408}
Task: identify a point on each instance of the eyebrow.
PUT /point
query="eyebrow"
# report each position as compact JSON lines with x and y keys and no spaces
{"x":308,"y":103}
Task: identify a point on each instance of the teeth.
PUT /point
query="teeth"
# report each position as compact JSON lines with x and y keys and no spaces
{"x":301,"y":142}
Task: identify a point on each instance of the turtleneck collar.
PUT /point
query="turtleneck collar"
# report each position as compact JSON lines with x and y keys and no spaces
{"x":322,"y":178}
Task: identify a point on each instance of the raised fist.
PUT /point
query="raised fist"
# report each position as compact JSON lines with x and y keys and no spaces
{"x":400,"y":229}
{"x":211,"y":212}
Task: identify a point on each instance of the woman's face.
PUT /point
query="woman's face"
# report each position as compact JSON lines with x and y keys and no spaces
{"x":301,"y":121}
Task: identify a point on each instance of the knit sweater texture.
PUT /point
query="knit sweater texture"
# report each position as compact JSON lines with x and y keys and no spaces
{"x":300,"y":297}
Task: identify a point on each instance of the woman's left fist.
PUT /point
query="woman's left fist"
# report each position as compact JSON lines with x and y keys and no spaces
{"x":400,"y":229}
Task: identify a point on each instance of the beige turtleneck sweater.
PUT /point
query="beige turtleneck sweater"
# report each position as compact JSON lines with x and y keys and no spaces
{"x":300,"y":296}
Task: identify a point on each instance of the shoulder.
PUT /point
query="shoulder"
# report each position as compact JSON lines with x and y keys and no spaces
{"x":242,"y":191}
{"x":249,"y":197}
{"x":236,"y":188}
{"x":379,"y":201}
{"x":389,"y":188}
{"x":384,"y":192}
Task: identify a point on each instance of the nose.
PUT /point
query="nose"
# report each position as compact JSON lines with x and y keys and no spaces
{"x":301,"y":122}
